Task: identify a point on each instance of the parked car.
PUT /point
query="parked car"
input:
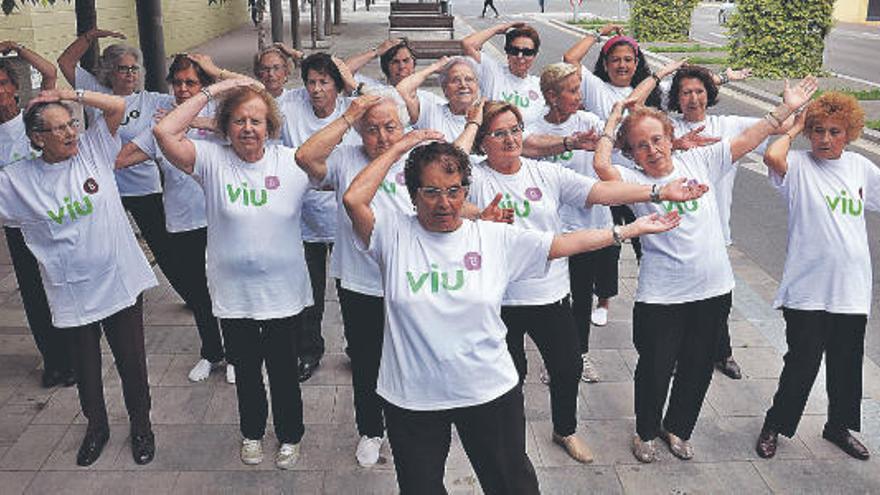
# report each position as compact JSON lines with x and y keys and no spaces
{"x":727,"y":8}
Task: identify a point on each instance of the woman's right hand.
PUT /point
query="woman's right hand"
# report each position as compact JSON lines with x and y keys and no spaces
{"x":475,"y":111}
{"x":439,"y":64}
{"x":227,"y":84}
{"x":611,"y":28}
{"x":359,"y":106}
{"x":95,"y":33}
{"x":654,"y":223}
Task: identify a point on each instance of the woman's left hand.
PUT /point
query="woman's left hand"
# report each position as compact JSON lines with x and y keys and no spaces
{"x":493,"y":213}
{"x":52,"y":95}
{"x":796,"y":96}
{"x":475,"y":111}
{"x":227,"y":84}
{"x":737,"y":75}
{"x":682,"y":190}
{"x":693,"y":139}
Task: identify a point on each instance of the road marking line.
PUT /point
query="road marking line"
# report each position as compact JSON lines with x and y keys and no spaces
{"x":718,"y":35}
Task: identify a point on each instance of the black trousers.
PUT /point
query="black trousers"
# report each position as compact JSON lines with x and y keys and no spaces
{"x":723,"y":350}
{"x":489,"y":4}
{"x":593,"y":272}
{"x":493,"y":436}
{"x":189,"y":250}
{"x":310,"y":343}
{"x":551,"y":327}
{"x":125,"y":334}
{"x":810,"y":334}
{"x":53,"y":343}
{"x":680,"y":338}
{"x":149,"y":215}
{"x":363,"y":321}
{"x":622,"y":215}
{"x":248,"y":344}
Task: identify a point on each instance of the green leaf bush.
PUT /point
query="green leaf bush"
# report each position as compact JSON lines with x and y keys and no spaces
{"x":661,"y":20}
{"x":779,"y":38}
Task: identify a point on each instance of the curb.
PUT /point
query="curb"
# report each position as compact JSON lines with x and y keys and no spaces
{"x":869,"y":135}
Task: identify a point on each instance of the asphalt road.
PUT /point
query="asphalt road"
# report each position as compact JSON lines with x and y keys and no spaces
{"x":759,"y":218}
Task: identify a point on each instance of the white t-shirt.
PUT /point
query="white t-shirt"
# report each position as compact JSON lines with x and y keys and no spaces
{"x":725,"y":127}
{"x":827,"y":266}
{"x":256,"y":265}
{"x":688,"y":263}
{"x":355,"y":269}
{"x":600,"y":96}
{"x":143,"y":178}
{"x":498,"y":83}
{"x":184,"y":198}
{"x":14,"y":143}
{"x":435,"y":114}
{"x":581,"y":161}
{"x":445,"y":344}
{"x":300,"y":123}
{"x":73,"y":222}
{"x":535,"y":192}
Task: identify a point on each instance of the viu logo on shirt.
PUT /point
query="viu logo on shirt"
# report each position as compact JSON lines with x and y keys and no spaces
{"x":562,"y":157}
{"x":247,"y":196}
{"x":416,"y":280}
{"x":519,"y":100}
{"x":682,"y":206}
{"x":533,"y":194}
{"x":131,"y":115}
{"x":388,"y":186}
{"x":848,"y":206}
{"x":74,"y":210}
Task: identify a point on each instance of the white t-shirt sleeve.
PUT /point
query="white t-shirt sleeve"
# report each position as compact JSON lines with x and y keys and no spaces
{"x":147,"y":143}
{"x":490,"y":69}
{"x":7,"y":198}
{"x":385,"y":224}
{"x":99,"y":145}
{"x":574,"y":188}
{"x":872,"y":186}
{"x":527,"y":252}
{"x":85,"y":80}
{"x":427,"y":109}
{"x":785,"y":185}
{"x":207,"y":158}
{"x":716,"y":157}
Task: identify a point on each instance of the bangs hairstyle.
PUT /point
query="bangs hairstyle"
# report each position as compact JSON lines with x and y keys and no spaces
{"x":641,"y":73}
{"x":322,"y":63}
{"x":8,"y":67}
{"x":34,"y":121}
{"x":522,"y":32}
{"x":636,"y":116}
{"x":553,"y":75}
{"x":182,"y":62}
{"x":491,"y":110}
{"x":837,"y":106}
{"x":258,"y":58}
{"x":385,"y":59}
{"x":692,"y":72}
{"x":110,"y":59}
{"x":453,"y":160}
{"x":237,"y":96}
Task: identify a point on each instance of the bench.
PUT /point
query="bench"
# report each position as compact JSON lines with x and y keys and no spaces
{"x":408,"y":23}
{"x":410,"y":8}
{"x":434,"y":49}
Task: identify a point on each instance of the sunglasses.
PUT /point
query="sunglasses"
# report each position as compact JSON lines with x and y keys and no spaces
{"x":516,"y":51}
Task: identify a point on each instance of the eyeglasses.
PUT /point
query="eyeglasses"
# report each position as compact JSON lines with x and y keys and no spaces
{"x":503,"y":133}
{"x":128,"y":69}
{"x":60,"y":130}
{"x":656,"y":142}
{"x":517,"y":51}
{"x":434,"y":193}
{"x":265,"y":69}
{"x":462,"y":81}
{"x":189,"y":83}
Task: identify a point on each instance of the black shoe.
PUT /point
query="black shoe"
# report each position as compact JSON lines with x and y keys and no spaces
{"x":307,"y":369}
{"x":729,"y":367}
{"x":143,"y":448}
{"x":91,"y":447}
{"x":767,"y":441}
{"x":51,"y":378}
{"x":847,"y":443}
{"x":68,"y":378}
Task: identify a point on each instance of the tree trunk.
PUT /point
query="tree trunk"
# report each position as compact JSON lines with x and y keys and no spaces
{"x":87,"y":19}
{"x":294,"y":25}
{"x":152,"y":36}
{"x":277,"y":17}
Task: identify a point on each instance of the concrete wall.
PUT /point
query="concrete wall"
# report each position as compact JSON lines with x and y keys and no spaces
{"x":850,"y":10}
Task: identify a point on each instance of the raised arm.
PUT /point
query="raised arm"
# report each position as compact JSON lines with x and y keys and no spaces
{"x":356,"y":62}
{"x":776,"y":156}
{"x":347,"y":77}
{"x":409,"y":85}
{"x":584,"y":240}
{"x":207,"y":64}
{"x":643,"y":90}
{"x":112,"y":107}
{"x":129,"y":155}
{"x":293,"y":53}
{"x":473,"y":43}
{"x":312,"y":155}
{"x":542,"y":145}
{"x":43,"y":66}
{"x":605,"y":146}
{"x":363,"y":188}
{"x":70,"y":57}
{"x":576,"y":53}
{"x":793,"y":98}
{"x":730,"y":75}
{"x":465,"y":140}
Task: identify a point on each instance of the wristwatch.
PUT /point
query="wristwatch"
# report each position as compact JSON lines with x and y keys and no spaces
{"x":617,"y":235}
{"x":655,"y":193}
{"x":80,"y":93}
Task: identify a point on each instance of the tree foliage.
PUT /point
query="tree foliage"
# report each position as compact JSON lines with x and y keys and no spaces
{"x":780,"y":38}
{"x":661,"y":20}
{"x":9,"y":5}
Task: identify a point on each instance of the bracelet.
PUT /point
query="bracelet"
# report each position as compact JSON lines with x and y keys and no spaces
{"x":790,"y":137}
{"x":207,"y":93}
{"x":617,"y":235}
{"x":655,"y":193}
{"x":724,"y":78}
{"x":222,"y":74}
{"x":347,"y":122}
{"x":596,"y":36}
{"x":565,"y":145}
{"x":778,"y":115}
{"x":80,"y":94}
{"x":472,"y":122}
{"x":608,"y":137}
{"x":656,"y":78}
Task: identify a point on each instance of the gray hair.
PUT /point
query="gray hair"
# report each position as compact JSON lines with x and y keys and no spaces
{"x":110,"y":59}
{"x":443,"y":75}
{"x":387,"y":95}
{"x":258,"y":58}
{"x":34,"y":121}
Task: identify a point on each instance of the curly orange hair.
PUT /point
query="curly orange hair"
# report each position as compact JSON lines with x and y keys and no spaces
{"x":837,"y":106}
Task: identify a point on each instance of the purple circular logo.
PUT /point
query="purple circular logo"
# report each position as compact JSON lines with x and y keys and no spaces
{"x":534,"y":194}
{"x":90,"y":186}
{"x":533,"y":95}
{"x":473,"y":261}
{"x":400,"y":178}
{"x":272,"y":182}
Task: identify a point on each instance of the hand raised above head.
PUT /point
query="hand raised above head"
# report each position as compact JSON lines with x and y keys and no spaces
{"x":418,"y":136}
{"x":798,"y":95}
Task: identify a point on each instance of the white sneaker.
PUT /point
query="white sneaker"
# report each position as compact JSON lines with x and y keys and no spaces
{"x":230,"y":374}
{"x":589,"y":374}
{"x":251,"y":452}
{"x":367,"y":452}
{"x":599,"y":317}
{"x":287,"y":456}
{"x":201,"y":370}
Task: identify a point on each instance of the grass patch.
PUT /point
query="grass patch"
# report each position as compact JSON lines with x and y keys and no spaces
{"x":707,"y":60}
{"x":873,"y":124}
{"x":597,"y":23}
{"x":686,"y":48}
{"x":859,"y":94}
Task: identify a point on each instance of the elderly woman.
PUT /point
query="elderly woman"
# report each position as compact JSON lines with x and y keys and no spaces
{"x":185,"y":220}
{"x":397,"y":62}
{"x":540,"y":306}
{"x":460,"y":86}
{"x":256,"y":269}
{"x":438,"y":269}
{"x":827,"y":190}
{"x":14,"y":146}
{"x":94,"y":272}
{"x":685,"y":278}
{"x":512,"y":82}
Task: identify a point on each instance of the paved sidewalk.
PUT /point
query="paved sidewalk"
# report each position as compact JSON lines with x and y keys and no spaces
{"x":196,"y":424}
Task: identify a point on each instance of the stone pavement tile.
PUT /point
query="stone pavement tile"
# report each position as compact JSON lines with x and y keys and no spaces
{"x":11,"y":330}
{"x":460,"y":481}
{"x":33,"y":447}
{"x":15,"y":482}
{"x":810,"y":432}
{"x":176,"y":371}
{"x":14,"y":370}
{"x":17,"y":345}
{"x":744,"y":334}
{"x":325,"y":445}
{"x":318,"y":402}
{"x":63,"y":457}
{"x":223,"y":406}
{"x":678,"y":476}
{"x":13,"y":316}
{"x":57,"y":482}
{"x":757,"y":362}
{"x":172,"y":340}
{"x":619,"y":309}
{"x":579,"y":480}
{"x":609,"y":440}
{"x":157,"y":365}
{"x":360,"y":480}
{"x":457,"y":459}
{"x":631,"y":358}
{"x":343,"y":407}
{"x":29,"y":391}
{"x":733,"y":439}
{"x":821,"y":476}
{"x":611,"y":366}
{"x":614,"y":335}
{"x":537,"y":401}
{"x":551,"y":454}
{"x":14,"y":419}
{"x":62,"y":408}
{"x":605,"y":400}
{"x":534,"y":364}
{"x":180,"y":405}
{"x":741,"y":397}
{"x":250,"y":482}
{"x":171,"y":313}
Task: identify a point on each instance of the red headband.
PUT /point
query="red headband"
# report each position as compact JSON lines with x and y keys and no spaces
{"x":620,"y":39}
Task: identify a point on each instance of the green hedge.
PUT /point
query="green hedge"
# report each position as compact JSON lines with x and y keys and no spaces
{"x":661,"y":20}
{"x":780,"y":38}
